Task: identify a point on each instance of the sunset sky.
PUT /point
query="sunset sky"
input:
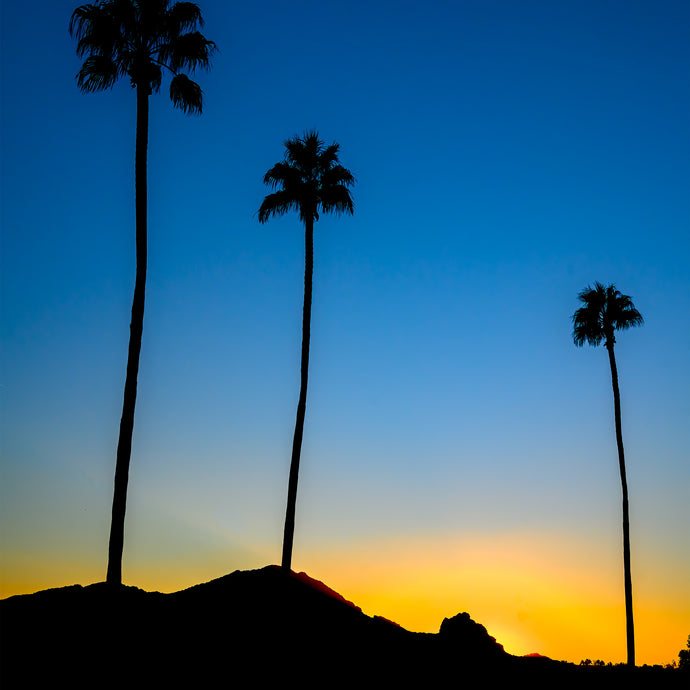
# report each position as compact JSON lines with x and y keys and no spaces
{"x":459,"y":450}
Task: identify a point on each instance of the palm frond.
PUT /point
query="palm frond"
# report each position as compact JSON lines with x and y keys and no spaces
{"x":90,"y":45}
{"x":151,"y":15}
{"x":82,"y":19}
{"x":621,"y":311}
{"x":585,"y":330}
{"x":186,"y":94}
{"x":336,"y":199}
{"x":185,"y":15}
{"x":95,"y":29}
{"x":303,"y":152}
{"x":329,"y":156}
{"x":277,"y":204}
{"x":188,"y":51}
{"x":283,"y":175}
{"x":98,"y":73}
{"x":337,"y":175}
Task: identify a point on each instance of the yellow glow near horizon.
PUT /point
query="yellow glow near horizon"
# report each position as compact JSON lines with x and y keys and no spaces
{"x":25,"y":574}
{"x":532,"y":592}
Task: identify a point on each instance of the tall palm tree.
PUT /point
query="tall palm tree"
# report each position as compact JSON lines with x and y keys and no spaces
{"x":604,"y":311}
{"x":308,"y":180}
{"x":138,"y":39}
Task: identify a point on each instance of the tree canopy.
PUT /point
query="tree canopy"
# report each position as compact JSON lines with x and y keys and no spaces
{"x":139,"y":39}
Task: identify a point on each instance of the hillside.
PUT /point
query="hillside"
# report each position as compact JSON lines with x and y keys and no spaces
{"x":250,"y":626}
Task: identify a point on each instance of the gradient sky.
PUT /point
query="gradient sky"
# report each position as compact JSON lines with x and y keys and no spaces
{"x":459,"y":450}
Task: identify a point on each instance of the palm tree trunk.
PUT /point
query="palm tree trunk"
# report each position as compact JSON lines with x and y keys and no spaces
{"x":626,"y":522}
{"x":124,"y":445}
{"x":302,"y":404}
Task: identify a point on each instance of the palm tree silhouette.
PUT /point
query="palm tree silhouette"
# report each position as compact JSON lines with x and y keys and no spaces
{"x":604,"y":311}
{"x":138,"y":39}
{"x":309,"y":179}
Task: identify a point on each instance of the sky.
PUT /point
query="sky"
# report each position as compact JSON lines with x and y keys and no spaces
{"x":459,"y":450}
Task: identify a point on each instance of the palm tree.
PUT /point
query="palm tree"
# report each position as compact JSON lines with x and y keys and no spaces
{"x":604,"y":311}
{"x":137,"y":39}
{"x":309,"y":179}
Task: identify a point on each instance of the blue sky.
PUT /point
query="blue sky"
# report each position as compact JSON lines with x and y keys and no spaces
{"x":506,"y":155}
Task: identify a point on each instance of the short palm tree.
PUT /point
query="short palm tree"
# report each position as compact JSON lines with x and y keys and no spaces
{"x":309,"y":179}
{"x":138,"y":39}
{"x":605,"y":311}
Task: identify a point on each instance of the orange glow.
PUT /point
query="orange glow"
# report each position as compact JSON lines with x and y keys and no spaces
{"x":532,"y":593}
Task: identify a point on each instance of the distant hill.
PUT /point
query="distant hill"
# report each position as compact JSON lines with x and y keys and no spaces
{"x":247,"y":629}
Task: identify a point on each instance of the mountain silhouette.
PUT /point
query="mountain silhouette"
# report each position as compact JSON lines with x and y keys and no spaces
{"x":257,"y":627}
